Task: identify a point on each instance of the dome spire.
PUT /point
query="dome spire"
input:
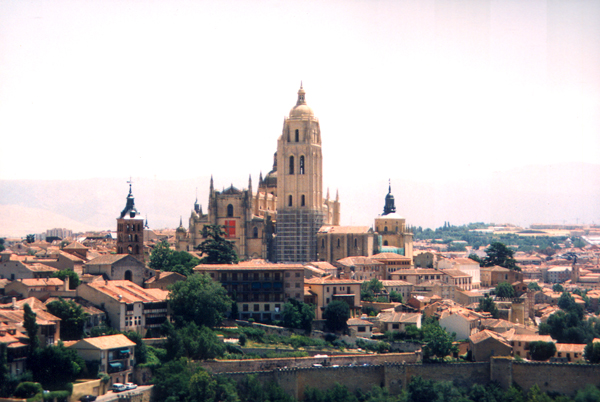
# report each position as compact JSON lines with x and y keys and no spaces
{"x":301,"y":96}
{"x":390,"y":203}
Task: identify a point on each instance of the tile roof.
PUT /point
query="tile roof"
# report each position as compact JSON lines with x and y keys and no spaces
{"x":344,"y":229}
{"x":390,"y":256}
{"x":486,"y":334}
{"x":395,"y":283}
{"x":37,"y":267}
{"x":41,"y":282}
{"x":128,"y":292}
{"x":359,"y":261}
{"x":107,"y":259}
{"x":329,"y":280}
{"x":105,"y":342}
{"x":358,"y":321}
{"x":241,"y":267}
{"x":75,"y":246}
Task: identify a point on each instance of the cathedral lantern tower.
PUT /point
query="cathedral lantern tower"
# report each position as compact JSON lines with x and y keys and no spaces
{"x":299,"y":184}
{"x":130,"y":230}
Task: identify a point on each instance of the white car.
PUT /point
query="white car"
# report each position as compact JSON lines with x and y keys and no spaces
{"x":118,"y":387}
{"x":130,"y":385}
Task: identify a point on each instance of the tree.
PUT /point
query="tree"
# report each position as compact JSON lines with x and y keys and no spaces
{"x":31,"y":326}
{"x":2,"y":247}
{"x":30,"y":238}
{"x":487,"y":304}
{"x":72,"y":275}
{"x":395,"y":297}
{"x":336,"y":315}
{"x":557,"y":287}
{"x":438,"y":342}
{"x":534,"y":286}
{"x":477,"y":259}
{"x":542,"y":351}
{"x":55,"y":366}
{"x":591,"y":353}
{"x":141,"y":351}
{"x":72,"y":316}
{"x":200,"y":300}
{"x":216,"y":249}
{"x":297,"y":314}
{"x":369,"y":290}
{"x":499,"y":254}
{"x":165,"y":259}
{"x":505,"y":290}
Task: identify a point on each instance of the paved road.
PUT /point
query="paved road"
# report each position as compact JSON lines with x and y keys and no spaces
{"x":111,"y":396}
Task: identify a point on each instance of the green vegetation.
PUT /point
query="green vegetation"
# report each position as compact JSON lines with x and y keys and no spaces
{"x":31,"y":326}
{"x":72,"y":275}
{"x":216,"y":249}
{"x":297,"y":314}
{"x":30,"y":238}
{"x":542,"y":351}
{"x":395,"y":297}
{"x":165,"y":259}
{"x":487,"y":304}
{"x":534,"y":286}
{"x":505,"y":290}
{"x":499,"y":254}
{"x":475,"y":239}
{"x":55,"y":366}
{"x":557,"y":287}
{"x":591,"y":353}
{"x":72,"y":318}
{"x":336,"y":314}
{"x":371,"y":291}
{"x":200,"y":300}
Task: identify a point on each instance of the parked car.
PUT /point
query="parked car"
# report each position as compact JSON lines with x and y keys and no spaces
{"x":118,"y":387}
{"x":130,"y":385}
{"x":88,"y":398}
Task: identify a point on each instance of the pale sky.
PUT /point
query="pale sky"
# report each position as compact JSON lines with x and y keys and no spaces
{"x":421,"y":90}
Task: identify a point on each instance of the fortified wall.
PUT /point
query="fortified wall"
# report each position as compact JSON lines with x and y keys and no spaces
{"x":550,"y":377}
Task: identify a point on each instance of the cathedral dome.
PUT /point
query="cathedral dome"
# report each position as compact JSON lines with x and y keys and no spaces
{"x":271,"y":179}
{"x":301,"y":109}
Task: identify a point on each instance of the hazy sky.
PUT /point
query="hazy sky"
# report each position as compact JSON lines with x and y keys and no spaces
{"x":420,"y":90}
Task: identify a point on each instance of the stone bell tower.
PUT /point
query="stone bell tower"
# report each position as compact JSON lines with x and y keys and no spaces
{"x":299,"y":184}
{"x":130,"y":230}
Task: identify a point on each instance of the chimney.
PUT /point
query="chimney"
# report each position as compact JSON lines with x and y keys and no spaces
{"x":66,"y":283}
{"x":14,"y":303}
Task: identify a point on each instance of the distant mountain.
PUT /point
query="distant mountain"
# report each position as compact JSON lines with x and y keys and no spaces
{"x":539,"y":194}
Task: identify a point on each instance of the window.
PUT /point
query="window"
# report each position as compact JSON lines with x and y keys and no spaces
{"x":302,"y":201}
{"x":256,"y":307}
{"x":301,"y":165}
{"x":395,"y":326}
{"x":287,"y":274}
{"x":385,"y":229}
{"x":385,"y":242}
{"x":255,"y":232}
{"x":361,"y":329}
{"x":338,"y":243}
{"x":267,"y":307}
{"x":245,"y":307}
{"x":297,"y":135}
{"x":297,"y":274}
{"x":355,"y":243}
{"x":291,"y":164}
{"x":297,"y":285}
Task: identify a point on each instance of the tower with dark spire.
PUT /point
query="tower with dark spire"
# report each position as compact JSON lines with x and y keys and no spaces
{"x":130,"y":229}
{"x":390,"y":204}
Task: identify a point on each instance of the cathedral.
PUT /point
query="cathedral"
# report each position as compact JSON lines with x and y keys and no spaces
{"x":280,"y":220}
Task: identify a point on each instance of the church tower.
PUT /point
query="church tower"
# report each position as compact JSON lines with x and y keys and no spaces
{"x":299,"y":184}
{"x":130,"y":230}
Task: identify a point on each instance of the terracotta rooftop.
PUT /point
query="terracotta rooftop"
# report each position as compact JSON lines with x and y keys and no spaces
{"x":104,"y":342}
{"x":262,"y":267}
{"x":329,"y":280}
{"x":128,"y":292}
{"x":344,"y":229}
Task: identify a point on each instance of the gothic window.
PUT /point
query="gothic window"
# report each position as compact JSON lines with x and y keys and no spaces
{"x":297,"y":135}
{"x":338,"y":243}
{"x":322,"y":243}
{"x":136,"y":238}
{"x":291,"y":165}
{"x":289,"y":201}
{"x":385,"y":229}
{"x":301,"y":165}
{"x":230,"y":211}
{"x":128,"y":275}
{"x":137,"y":248}
{"x":355,"y":243}
{"x":255,"y":232}
{"x":385,"y":243}
{"x":302,"y":201}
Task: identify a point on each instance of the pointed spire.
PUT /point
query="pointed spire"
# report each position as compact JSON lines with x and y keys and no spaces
{"x":390,"y":203}
{"x":212,"y":188}
{"x":301,"y":96}
{"x":337,"y":195}
{"x":200,"y":211}
{"x":180,"y":221}
{"x":390,"y":186}
{"x":146,"y":224}
{"x":250,"y":183}
{"x":327,"y":198}
{"x":260,"y":179}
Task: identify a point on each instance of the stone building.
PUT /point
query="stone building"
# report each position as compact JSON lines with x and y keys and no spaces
{"x":393,"y":236}
{"x":280,"y":220}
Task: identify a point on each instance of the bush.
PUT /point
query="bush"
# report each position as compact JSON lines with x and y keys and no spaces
{"x":28,"y":389}
{"x":242,"y":339}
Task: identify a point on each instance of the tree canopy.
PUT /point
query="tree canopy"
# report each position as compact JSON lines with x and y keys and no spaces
{"x":369,"y":290}
{"x":72,"y":275}
{"x":487,"y":304}
{"x":31,"y":326}
{"x":534,"y":286}
{"x":166,"y":259}
{"x":297,"y":314}
{"x":216,"y":249}
{"x":336,"y":314}
{"x":72,"y":317}
{"x":542,"y":351}
{"x":55,"y":366}
{"x":198,"y":299}
{"x":505,"y":290}
{"x":592,"y":352}
{"x":499,"y":254}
